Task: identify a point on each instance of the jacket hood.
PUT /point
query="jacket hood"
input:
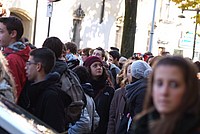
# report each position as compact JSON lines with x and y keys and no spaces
{"x":51,"y":81}
{"x":87,"y":87}
{"x":18,"y":48}
{"x":53,"y":77}
{"x":60,"y":66}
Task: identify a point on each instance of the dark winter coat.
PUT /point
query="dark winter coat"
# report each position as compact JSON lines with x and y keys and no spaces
{"x":103,"y":95}
{"x":135,"y":93}
{"x":116,"y":111}
{"x":189,"y":124}
{"x":45,"y":100}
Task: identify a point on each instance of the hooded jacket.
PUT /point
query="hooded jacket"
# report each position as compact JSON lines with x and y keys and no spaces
{"x":60,"y":66}
{"x":17,"y":54}
{"x":45,"y":100}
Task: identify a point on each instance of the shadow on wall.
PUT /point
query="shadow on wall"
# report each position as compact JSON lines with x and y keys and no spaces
{"x":27,"y":21}
{"x":92,"y":29}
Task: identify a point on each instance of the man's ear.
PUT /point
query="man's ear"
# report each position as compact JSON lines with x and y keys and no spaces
{"x":13,"y":33}
{"x":39,"y":67}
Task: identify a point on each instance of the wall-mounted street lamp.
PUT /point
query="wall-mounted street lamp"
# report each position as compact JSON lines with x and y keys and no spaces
{"x":78,"y":15}
{"x":197,"y":10}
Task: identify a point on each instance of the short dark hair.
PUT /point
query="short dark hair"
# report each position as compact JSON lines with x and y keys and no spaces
{"x":55,"y":44}
{"x":83,"y":74}
{"x":46,"y":57}
{"x":13,"y":23}
{"x":72,"y":47}
{"x":114,"y":48}
{"x":115,"y":54}
{"x":102,"y":50}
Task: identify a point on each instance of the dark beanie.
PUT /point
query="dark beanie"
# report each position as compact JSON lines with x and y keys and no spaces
{"x":88,"y":62}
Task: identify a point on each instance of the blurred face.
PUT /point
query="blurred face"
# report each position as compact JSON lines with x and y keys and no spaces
{"x":150,"y":59}
{"x":5,"y":37}
{"x":97,"y":53}
{"x":83,"y":56}
{"x":31,"y":69}
{"x":111,"y":59}
{"x":168,"y":89}
{"x":128,"y":74}
{"x":96,"y":69}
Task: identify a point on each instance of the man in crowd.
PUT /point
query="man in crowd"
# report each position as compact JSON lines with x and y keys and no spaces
{"x":113,"y":61}
{"x":42,"y":97}
{"x":17,"y":53}
{"x":72,"y":58}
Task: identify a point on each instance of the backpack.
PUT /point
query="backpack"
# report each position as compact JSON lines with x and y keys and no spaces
{"x":71,"y":86}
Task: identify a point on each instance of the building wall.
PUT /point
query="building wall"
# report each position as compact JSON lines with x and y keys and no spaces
{"x":94,"y":34}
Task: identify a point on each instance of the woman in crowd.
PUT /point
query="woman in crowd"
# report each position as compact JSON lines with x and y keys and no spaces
{"x":103,"y":90}
{"x":118,"y":101}
{"x":135,"y":92}
{"x":7,"y":85}
{"x":172,"y":100}
{"x":89,"y":119}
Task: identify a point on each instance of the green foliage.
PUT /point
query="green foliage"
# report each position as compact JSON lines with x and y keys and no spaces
{"x":189,"y":4}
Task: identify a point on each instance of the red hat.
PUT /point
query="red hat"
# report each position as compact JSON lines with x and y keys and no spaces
{"x":88,"y":62}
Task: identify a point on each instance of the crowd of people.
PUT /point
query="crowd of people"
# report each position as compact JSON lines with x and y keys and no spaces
{"x":141,"y":94}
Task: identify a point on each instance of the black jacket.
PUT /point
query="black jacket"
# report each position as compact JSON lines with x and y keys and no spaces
{"x":45,"y":100}
{"x":103,"y":95}
{"x":188,"y":124}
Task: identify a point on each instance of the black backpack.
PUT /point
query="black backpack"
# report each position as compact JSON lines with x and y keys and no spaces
{"x":71,"y":86}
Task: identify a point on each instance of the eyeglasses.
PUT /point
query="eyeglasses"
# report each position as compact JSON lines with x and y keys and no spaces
{"x":28,"y":63}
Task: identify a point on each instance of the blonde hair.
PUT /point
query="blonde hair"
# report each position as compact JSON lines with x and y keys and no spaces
{"x":5,"y":74}
{"x":122,"y":78}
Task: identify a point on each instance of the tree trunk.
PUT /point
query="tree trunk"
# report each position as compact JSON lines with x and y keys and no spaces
{"x":128,"y":38}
